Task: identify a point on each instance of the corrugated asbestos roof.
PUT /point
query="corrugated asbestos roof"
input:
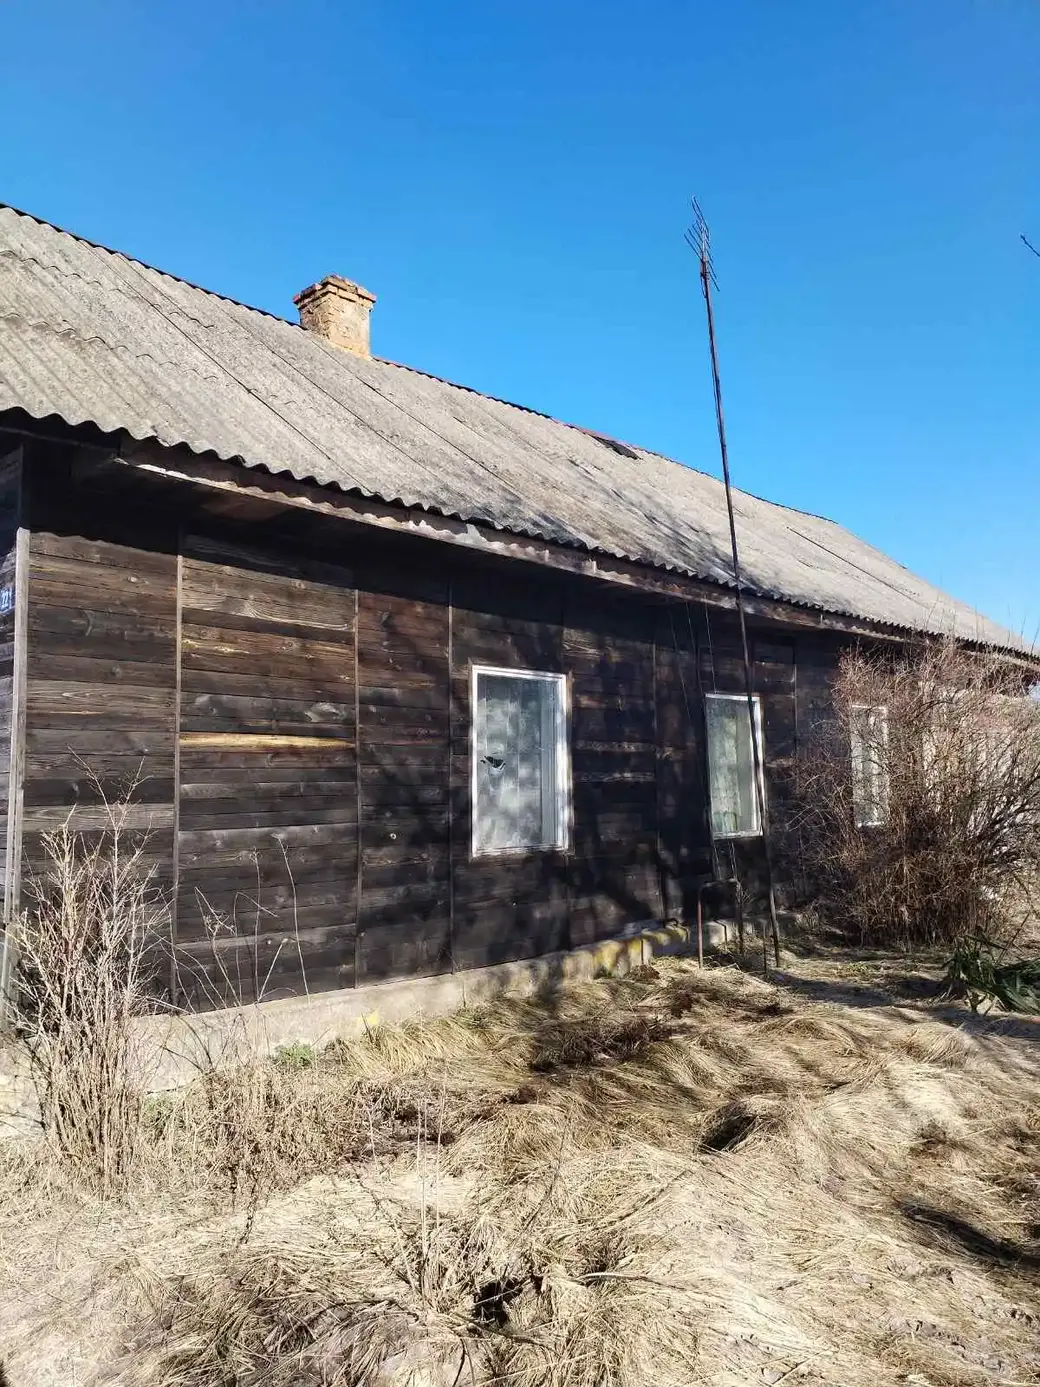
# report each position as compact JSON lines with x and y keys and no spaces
{"x":90,"y":335}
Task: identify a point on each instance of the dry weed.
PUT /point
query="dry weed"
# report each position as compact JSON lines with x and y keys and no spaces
{"x":88,"y":949}
{"x":744,"y":1188}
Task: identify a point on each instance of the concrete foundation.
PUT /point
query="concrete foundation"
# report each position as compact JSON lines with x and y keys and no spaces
{"x":174,"y":1048}
{"x":178,"y":1046}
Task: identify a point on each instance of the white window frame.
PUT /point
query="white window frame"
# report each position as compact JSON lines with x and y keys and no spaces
{"x":856,"y":747}
{"x":562,"y":758}
{"x":757,"y":798}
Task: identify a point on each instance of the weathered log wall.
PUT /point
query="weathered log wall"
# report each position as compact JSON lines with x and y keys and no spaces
{"x":291,"y":700}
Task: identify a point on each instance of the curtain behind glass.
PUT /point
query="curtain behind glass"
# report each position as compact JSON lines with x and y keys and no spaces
{"x":516,"y":763}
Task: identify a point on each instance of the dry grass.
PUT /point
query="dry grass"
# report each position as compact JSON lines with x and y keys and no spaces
{"x":682,"y":1178}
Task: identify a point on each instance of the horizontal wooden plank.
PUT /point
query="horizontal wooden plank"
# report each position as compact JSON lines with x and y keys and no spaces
{"x":265,"y":742}
{"x":611,"y":826}
{"x":218,"y":757}
{"x":377,"y":642}
{"x":107,"y":569}
{"x":590,"y":800}
{"x":231,"y":591}
{"x":153,"y":849}
{"x":593,"y":647}
{"x":236,"y":971}
{"x":253,"y":876}
{"x":610,"y":777}
{"x":260,"y":683}
{"x":600,"y":761}
{"x":773,"y":652}
{"x":69,"y":723}
{"x":262,"y":813}
{"x":413,"y":872}
{"x":87,"y":742}
{"x":200,"y":710}
{"x":274,"y":653}
{"x":199,"y":919}
{"x":85,"y":668}
{"x":489,"y":934}
{"x":429,"y":693}
{"x":100,"y":636}
{"x":85,"y":789}
{"x":481,"y":623}
{"x":246,"y":839}
{"x":406,"y":665}
{"x":278,"y":561}
{"x":511,"y":877}
{"x":231,"y":623}
{"x":101,"y":553}
{"x":412,"y":949}
{"x":269,"y":793}
{"x":601,"y":917}
{"x":388,"y":793}
{"x":634,"y":723}
{"x":254,"y":900}
{"x":415,"y":901}
{"x":377,"y":718}
{"x":402,"y":597}
{"x":134,"y":702}
{"x":613,"y":694}
{"x":136,"y":818}
{"x":371,"y":738}
{"x":627,"y":746}
{"x":142,"y":601}
{"x":404,"y":829}
{"x":404,"y":766}
{"x":510,"y":652}
{"x":217,"y":869}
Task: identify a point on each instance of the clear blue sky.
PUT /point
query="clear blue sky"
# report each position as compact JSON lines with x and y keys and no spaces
{"x":512,"y":181}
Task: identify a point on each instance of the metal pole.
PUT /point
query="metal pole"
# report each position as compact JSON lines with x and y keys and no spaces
{"x":756,"y":752}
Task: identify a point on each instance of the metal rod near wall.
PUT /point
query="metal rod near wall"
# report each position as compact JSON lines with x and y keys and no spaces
{"x":697,"y":238}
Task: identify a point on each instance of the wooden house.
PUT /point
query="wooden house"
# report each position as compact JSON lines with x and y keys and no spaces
{"x":407,"y":679}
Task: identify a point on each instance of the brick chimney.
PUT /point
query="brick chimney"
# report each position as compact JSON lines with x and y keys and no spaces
{"x":338,"y":310}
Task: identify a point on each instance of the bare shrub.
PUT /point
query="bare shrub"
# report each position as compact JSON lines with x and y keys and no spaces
{"x":936,"y":834}
{"x":88,"y":947}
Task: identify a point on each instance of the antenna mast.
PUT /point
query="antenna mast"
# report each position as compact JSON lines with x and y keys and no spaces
{"x":699,"y":240}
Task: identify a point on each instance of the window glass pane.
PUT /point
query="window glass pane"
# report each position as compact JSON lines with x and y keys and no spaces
{"x":869,"y":729}
{"x":516,"y":732}
{"x":734,"y":806}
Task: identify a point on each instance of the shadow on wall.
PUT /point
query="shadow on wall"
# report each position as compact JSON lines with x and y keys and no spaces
{"x":427,"y":906}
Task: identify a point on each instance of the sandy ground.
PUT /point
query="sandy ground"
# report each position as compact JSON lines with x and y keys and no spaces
{"x":829,"y":1177}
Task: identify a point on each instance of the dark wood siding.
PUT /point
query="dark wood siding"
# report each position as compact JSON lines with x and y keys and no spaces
{"x":291,"y":699}
{"x":267,"y":811}
{"x":403,"y":753}
{"x":100,"y":691}
{"x":615,"y":873}
{"x":682,"y":795}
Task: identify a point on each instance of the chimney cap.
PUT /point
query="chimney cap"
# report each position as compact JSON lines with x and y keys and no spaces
{"x":338,"y":310}
{"x":334,"y":284}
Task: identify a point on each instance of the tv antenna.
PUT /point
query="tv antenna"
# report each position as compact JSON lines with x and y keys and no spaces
{"x":698,"y":238}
